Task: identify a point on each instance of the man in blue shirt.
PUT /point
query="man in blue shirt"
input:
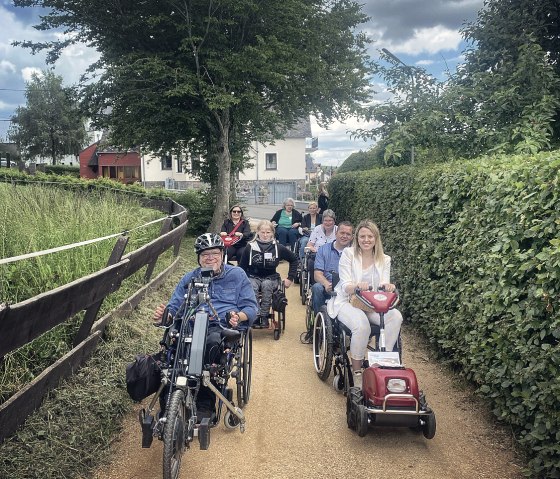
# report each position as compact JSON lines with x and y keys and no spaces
{"x":230,"y":292}
{"x":326,"y":262}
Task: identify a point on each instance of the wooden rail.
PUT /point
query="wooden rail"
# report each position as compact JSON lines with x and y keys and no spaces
{"x":21,"y":323}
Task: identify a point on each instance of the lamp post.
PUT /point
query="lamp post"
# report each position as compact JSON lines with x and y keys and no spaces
{"x":409,"y":69}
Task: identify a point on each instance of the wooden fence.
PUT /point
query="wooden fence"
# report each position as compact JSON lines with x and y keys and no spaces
{"x":21,"y":323}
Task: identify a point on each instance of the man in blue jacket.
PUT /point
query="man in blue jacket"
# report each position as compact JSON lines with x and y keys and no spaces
{"x":230,"y":292}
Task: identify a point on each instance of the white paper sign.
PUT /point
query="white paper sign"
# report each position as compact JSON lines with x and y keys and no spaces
{"x":384,"y":358}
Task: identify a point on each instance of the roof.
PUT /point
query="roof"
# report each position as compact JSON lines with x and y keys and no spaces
{"x":302,"y":129}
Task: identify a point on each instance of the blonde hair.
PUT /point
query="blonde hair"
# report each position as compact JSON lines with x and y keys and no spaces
{"x":378,"y":254}
{"x":261,"y":224}
{"x":323,"y":188}
{"x":311,"y":203}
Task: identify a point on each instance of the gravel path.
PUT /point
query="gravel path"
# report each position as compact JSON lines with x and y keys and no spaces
{"x":296,"y":426}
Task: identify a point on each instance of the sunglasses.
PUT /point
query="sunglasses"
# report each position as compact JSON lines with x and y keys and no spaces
{"x":236,"y":211}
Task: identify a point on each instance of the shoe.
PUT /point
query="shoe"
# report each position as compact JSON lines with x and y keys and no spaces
{"x":358,"y":379}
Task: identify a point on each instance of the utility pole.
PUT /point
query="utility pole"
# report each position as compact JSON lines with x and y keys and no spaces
{"x":410,"y":71}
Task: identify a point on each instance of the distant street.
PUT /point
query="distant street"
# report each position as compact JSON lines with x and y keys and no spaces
{"x":265,"y":212}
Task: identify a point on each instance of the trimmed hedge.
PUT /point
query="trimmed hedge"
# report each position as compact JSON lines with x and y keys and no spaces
{"x":476,"y":255}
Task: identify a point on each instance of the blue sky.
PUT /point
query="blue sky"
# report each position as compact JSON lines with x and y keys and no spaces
{"x":419,"y":32}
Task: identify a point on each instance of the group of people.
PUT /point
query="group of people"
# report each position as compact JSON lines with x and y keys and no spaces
{"x":357,"y":257}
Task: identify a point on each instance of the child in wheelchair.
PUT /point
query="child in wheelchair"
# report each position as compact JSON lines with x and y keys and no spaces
{"x":260,"y":260}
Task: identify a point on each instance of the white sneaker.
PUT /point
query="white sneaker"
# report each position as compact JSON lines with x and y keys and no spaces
{"x":358,"y":379}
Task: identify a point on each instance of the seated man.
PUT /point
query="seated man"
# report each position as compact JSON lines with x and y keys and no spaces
{"x":321,"y":234}
{"x":230,"y":292}
{"x":326,"y":262}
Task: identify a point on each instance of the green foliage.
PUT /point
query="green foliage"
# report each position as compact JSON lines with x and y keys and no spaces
{"x":207,"y":79}
{"x":50,"y":124}
{"x":63,"y":170}
{"x":363,"y":160}
{"x":30,"y":220}
{"x":476,"y":256}
{"x":199,"y":204}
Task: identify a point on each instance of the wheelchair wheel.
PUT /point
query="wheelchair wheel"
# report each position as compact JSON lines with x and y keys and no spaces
{"x":361,"y":420}
{"x":322,"y":344}
{"x":231,"y":421}
{"x":244,"y":374}
{"x":303,"y":286}
{"x":309,"y":314}
{"x":174,"y":435}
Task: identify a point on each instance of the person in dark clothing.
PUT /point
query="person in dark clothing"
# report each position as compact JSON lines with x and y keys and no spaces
{"x":236,"y":226}
{"x":260,"y":260}
{"x":287,"y":221}
{"x":323,"y":198}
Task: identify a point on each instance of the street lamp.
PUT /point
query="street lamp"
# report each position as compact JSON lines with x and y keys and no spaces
{"x":410,"y":71}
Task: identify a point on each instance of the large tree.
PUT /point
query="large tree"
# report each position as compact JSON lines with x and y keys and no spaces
{"x":199,"y":75}
{"x":50,"y":124}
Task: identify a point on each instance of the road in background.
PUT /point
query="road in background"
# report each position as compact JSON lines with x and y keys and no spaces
{"x":265,"y":212}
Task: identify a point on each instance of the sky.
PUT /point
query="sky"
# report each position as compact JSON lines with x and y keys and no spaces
{"x":419,"y":32}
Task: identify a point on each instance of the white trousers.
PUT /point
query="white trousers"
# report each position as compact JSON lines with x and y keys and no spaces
{"x":358,"y":322}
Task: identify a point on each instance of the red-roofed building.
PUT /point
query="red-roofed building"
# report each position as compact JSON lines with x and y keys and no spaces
{"x":96,"y":162}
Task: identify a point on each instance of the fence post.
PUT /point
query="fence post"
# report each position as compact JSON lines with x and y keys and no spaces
{"x":165,"y":228}
{"x":91,"y":312}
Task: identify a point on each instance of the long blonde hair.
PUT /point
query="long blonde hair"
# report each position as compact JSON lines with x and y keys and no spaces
{"x":323,"y":189}
{"x":378,"y":254}
{"x":260,"y":225}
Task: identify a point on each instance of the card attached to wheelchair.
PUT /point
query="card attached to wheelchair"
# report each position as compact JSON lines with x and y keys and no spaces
{"x":384,"y":358}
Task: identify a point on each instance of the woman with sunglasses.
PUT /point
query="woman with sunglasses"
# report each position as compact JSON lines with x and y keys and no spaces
{"x":236,"y":226}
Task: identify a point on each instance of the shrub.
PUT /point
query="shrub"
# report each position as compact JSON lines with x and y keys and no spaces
{"x":476,"y":254}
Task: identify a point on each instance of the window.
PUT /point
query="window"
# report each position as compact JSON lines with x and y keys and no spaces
{"x":271,"y":161}
{"x":166,"y":162}
{"x":179,"y":164}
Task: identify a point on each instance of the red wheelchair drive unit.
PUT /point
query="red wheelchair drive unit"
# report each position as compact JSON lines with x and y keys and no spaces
{"x":390,"y":395}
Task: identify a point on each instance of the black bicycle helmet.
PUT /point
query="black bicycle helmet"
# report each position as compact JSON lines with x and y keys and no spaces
{"x":208,"y":241}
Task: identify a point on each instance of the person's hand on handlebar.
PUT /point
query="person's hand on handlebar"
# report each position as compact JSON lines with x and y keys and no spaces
{"x":362,"y":286}
{"x":287,"y":283}
{"x":389,"y":287}
{"x":158,"y":313}
{"x":234,"y":319}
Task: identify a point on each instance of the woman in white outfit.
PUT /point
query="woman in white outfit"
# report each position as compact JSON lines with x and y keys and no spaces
{"x":361,"y":266}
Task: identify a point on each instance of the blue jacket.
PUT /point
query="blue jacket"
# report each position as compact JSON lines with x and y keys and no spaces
{"x":229,"y":291}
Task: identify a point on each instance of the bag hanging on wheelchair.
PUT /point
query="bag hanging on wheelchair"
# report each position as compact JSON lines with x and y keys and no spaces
{"x":279,"y":301}
{"x":355,"y":301}
{"x":143,"y":376}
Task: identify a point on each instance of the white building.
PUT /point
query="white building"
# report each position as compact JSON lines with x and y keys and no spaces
{"x":278,"y":169}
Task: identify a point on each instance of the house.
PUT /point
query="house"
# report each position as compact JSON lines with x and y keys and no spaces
{"x":277,"y":171}
{"x":99,"y":161}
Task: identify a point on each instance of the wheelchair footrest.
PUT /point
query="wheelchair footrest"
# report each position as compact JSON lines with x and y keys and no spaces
{"x":204,"y":433}
{"x":147,"y":423}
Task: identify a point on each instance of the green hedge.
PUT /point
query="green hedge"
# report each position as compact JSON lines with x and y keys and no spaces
{"x":476,"y":254}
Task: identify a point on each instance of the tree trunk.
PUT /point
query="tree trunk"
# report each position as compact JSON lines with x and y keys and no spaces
{"x":224,"y":173}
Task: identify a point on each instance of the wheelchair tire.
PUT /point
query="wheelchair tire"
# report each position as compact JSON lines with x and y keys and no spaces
{"x":309,"y":314}
{"x":302,"y":287}
{"x":322,"y":344}
{"x":231,"y":421}
{"x":246,"y":369}
{"x":361,"y":420}
{"x":174,"y":435}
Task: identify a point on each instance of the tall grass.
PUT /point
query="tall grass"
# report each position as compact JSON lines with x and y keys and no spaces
{"x":34,"y":218}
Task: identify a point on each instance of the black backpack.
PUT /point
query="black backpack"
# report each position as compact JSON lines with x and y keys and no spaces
{"x":143,"y":376}
{"x":279,"y":301}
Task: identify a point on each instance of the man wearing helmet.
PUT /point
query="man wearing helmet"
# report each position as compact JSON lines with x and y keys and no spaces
{"x":230,"y":292}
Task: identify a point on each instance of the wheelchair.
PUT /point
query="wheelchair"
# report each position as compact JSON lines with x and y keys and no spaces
{"x":305,"y":280}
{"x":277,"y":316}
{"x":331,"y":346}
{"x":184,"y":372}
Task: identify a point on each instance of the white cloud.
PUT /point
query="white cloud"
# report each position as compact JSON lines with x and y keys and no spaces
{"x":27,"y":73}
{"x":7,"y":67}
{"x":430,"y":40}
